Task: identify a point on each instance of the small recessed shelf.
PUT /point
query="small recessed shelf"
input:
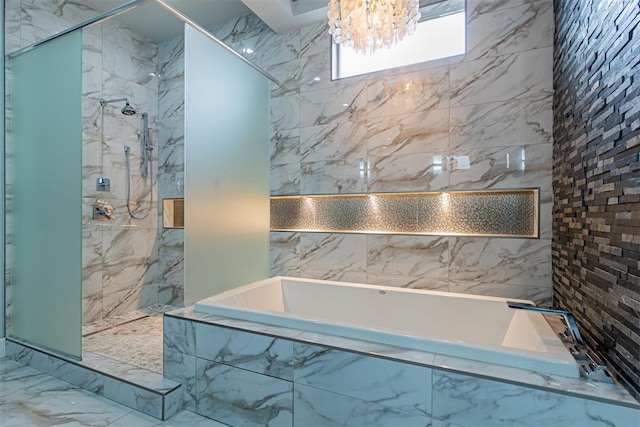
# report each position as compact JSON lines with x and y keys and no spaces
{"x":490,"y":213}
{"x":172,"y":213}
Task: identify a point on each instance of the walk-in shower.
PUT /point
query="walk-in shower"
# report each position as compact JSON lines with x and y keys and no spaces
{"x":108,"y":95}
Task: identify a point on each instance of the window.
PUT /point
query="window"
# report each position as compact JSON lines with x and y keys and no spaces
{"x":441,"y":33}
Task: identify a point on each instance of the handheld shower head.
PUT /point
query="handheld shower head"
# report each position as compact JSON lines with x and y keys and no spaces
{"x":128,"y":110}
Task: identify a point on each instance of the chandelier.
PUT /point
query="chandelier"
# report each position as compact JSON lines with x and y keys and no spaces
{"x":367,"y":25}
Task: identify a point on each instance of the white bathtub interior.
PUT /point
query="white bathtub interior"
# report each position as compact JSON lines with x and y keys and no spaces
{"x":473,"y":327}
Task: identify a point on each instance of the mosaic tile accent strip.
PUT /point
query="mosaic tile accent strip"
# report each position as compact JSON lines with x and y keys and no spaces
{"x":502,"y":213}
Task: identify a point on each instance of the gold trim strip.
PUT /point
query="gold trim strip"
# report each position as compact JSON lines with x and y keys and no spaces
{"x":480,"y":213}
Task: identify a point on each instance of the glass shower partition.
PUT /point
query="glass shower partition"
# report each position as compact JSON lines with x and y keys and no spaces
{"x":45,"y":186}
{"x":226,"y":170}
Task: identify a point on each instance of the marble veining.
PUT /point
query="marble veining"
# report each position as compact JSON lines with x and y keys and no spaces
{"x":464,"y":400}
{"x":29,"y":397}
{"x":256,"y":353}
{"x":502,"y":78}
{"x":511,"y":30}
{"x":579,"y":388}
{"x":387,"y":383}
{"x":315,"y":407}
{"x":223,"y":396}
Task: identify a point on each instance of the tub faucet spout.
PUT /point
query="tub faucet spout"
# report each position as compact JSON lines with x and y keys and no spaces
{"x":569,"y":320}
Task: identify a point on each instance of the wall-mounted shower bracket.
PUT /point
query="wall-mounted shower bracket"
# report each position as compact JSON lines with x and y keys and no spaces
{"x":103,"y":184}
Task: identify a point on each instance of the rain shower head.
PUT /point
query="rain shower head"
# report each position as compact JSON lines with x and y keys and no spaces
{"x":127,"y":110}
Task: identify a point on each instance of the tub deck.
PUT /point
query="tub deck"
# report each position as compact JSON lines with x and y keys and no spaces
{"x":479,"y":328}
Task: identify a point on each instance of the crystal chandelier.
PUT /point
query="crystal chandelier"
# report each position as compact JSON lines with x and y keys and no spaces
{"x":367,"y":25}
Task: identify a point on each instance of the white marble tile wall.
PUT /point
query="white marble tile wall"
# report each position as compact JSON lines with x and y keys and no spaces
{"x":390,"y":132}
{"x":171,"y":167}
{"x":122,"y":274}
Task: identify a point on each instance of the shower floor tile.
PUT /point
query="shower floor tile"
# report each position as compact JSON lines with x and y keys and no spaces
{"x":134,"y":338}
{"x":137,"y":343}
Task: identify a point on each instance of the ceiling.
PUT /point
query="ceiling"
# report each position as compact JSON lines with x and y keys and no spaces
{"x":158,"y":24}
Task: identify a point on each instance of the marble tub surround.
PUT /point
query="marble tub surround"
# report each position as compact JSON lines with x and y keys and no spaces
{"x":416,"y":319}
{"x":145,"y":391}
{"x":344,"y":382}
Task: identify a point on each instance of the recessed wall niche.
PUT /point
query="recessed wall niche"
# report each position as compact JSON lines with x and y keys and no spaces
{"x":494,"y":213}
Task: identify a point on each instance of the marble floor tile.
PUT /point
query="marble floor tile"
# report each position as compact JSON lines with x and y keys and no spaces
{"x":31,"y":398}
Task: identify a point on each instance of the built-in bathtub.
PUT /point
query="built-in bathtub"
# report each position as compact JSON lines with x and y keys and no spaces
{"x":472,"y":327}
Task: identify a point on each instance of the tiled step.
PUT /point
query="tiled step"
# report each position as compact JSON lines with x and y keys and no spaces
{"x":139,"y":389}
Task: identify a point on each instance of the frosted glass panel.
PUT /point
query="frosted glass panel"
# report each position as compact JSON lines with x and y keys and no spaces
{"x":46,"y":273}
{"x":226,"y":170}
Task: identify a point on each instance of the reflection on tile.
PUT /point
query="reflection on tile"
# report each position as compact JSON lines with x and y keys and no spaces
{"x":408,"y":93}
{"x":316,"y":72}
{"x":270,"y":48}
{"x":503,"y":167}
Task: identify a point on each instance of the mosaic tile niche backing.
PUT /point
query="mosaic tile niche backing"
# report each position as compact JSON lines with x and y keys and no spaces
{"x":505,"y":213}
